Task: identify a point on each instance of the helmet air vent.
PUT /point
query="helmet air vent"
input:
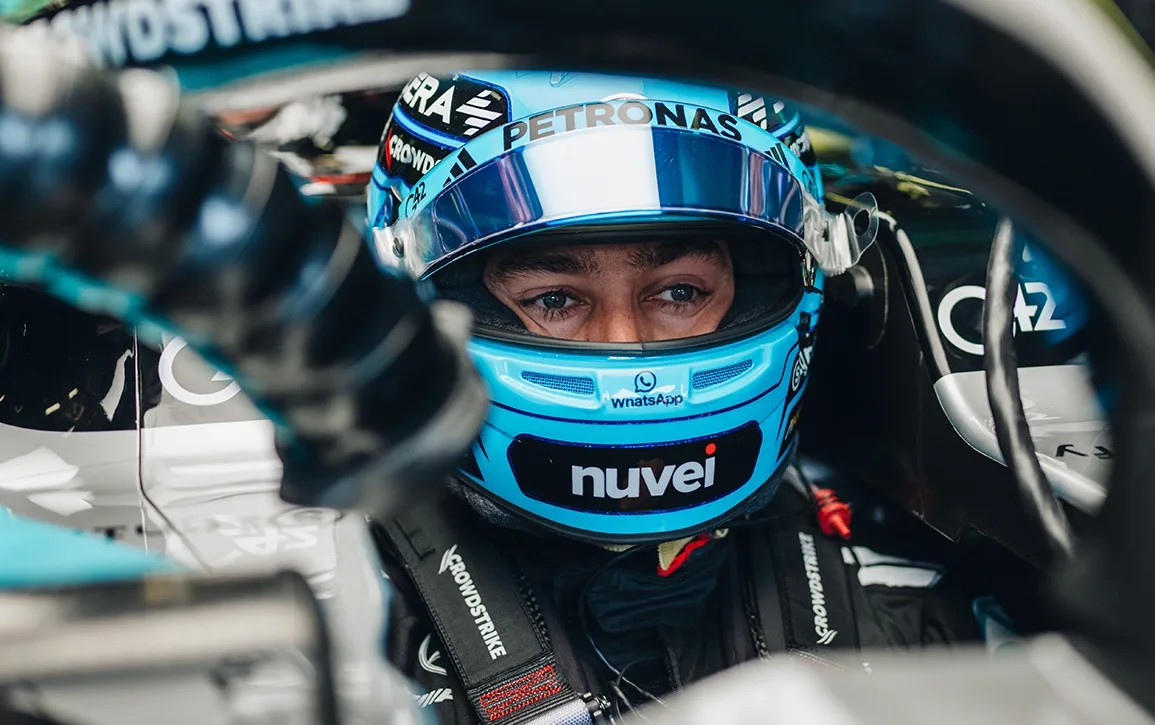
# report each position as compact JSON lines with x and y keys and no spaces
{"x":717,"y":376}
{"x":575,"y":384}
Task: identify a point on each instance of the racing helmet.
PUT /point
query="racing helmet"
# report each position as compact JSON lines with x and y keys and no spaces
{"x":610,"y":442}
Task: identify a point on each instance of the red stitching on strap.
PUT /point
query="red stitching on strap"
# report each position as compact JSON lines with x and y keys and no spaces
{"x":520,"y":693}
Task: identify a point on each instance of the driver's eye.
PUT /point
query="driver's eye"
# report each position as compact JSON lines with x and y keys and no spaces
{"x":553,"y":300}
{"x":682,"y":293}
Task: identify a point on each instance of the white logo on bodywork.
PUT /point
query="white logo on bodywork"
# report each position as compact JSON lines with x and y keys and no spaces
{"x":183,"y":394}
{"x":1028,"y":317}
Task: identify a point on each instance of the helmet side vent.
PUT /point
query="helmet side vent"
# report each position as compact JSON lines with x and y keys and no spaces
{"x":717,"y":376}
{"x":574,"y":384}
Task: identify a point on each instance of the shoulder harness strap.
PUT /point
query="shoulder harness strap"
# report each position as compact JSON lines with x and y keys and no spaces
{"x":808,"y":592}
{"x":486,"y":619}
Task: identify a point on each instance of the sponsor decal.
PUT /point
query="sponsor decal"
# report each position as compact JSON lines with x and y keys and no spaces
{"x":1103,"y":453}
{"x":428,"y":660}
{"x":662,"y":399}
{"x":453,"y":564}
{"x":593,"y":115}
{"x":822,"y":628}
{"x":1034,"y":312}
{"x":464,"y":163}
{"x":758,"y":109}
{"x":434,"y":696}
{"x":407,"y":156}
{"x":801,"y":368}
{"x":799,"y":143}
{"x":646,"y":394}
{"x":462,"y":108}
{"x":772,"y":114}
{"x":639,"y":479}
{"x":174,"y":387}
{"x":121,"y":32}
{"x":685,"y":478}
{"x":798,"y":374}
{"x":629,"y":113}
{"x":229,"y":538}
{"x":777,"y":155}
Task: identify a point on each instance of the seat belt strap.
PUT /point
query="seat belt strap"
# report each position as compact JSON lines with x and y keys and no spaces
{"x":485,"y":617}
{"x":807,"y":595}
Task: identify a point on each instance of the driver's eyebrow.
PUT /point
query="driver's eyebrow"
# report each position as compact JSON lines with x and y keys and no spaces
{"x":552,"y":262}
{"x":652,"y":256}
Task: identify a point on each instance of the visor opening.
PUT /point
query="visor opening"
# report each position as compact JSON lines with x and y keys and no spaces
{"x":768,"y":281}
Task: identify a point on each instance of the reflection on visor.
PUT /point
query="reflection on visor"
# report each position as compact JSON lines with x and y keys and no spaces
{"x":610,"y":173}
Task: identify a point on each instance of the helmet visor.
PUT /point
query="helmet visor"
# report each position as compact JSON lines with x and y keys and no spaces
{"x":616,"y":174}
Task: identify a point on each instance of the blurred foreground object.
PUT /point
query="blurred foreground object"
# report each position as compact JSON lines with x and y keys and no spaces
{"x":120,"y":201}
{"x":1043,"y":681}
{"x":172,"y":648}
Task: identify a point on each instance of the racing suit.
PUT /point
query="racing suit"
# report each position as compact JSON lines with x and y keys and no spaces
{"x":769,"y":585}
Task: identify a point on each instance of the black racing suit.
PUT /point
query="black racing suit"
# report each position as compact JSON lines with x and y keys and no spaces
{"x":772,"y":584}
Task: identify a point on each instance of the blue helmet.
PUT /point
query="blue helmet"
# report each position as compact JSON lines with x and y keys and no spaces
{"x":610,"y":442}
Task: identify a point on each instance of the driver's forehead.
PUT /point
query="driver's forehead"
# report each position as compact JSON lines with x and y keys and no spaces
{"x":598,"y":259}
